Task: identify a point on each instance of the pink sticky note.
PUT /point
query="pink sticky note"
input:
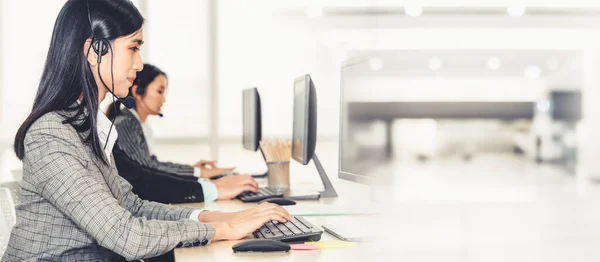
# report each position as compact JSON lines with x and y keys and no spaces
{"x":303,"y":247}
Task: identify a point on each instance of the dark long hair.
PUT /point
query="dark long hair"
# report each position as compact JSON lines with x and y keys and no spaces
{"x":142,"y":80}
{"x":67,"y":74}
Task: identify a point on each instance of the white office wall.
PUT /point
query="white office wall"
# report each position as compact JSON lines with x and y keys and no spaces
{"x":258,"y":50}
{"x":176,"y":41}
{"x":25,"y":40}
{"x":138,"y":4}
{"x":25,"y":37}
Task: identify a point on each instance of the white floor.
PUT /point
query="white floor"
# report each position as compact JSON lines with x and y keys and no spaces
{"x":494,"y":208}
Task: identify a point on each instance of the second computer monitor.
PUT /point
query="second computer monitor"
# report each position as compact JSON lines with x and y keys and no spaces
{"x":304,"y":134}
{"x":252,"y":123}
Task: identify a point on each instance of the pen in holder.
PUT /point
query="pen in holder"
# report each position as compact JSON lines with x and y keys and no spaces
{"x":277,"y":154}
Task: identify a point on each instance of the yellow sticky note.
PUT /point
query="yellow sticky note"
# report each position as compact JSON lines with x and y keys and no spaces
{"x":332,"y":244}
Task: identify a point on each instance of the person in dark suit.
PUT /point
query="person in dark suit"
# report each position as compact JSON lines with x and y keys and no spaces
{"x":155,"y":179}
{"x":74,"y":206}
{"x":155,"y":185}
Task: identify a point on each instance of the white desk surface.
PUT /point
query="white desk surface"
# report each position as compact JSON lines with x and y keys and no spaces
{"x":349,"y":193}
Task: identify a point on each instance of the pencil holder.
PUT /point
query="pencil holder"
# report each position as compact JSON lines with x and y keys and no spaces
{"x":279,"y":174}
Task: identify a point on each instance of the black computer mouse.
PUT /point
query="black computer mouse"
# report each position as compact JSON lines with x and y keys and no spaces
{"x":261,"y":245}
{"x":279,"y":201}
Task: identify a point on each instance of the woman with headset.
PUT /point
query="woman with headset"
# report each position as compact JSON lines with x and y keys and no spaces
{"x":134,"y":152}
{"x":74,"y":205}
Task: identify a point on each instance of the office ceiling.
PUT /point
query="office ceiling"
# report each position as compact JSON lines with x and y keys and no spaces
{"x":364,"y":17}
{"x":465,"y":62}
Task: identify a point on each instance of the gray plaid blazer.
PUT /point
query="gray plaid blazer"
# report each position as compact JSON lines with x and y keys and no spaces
{"x":76,"y":208}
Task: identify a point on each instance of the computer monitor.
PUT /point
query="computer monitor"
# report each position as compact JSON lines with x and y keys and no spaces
{"x":304,"y":135}
{"x":355,"y":162}
{"x":252,"y":124}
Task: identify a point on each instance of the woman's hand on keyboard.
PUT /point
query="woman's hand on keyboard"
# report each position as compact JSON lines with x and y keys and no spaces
{"x":209,"y":172}
{"x":247,"y":221}
{"x":231,"y":186}
{"x":206,"y":163}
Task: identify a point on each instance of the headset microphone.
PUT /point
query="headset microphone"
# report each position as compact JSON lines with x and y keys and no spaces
{"x":151,"y":111}
{"x":127,"y":101}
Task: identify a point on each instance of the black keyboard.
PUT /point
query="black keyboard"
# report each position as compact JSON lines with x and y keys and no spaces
{"x":263,"y":193}
{"x":295,"y":230}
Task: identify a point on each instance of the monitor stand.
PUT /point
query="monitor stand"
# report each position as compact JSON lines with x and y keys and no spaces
{"x":328,"y":191}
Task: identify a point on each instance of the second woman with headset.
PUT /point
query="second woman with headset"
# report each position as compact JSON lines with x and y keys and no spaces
{"x":157,"y":180}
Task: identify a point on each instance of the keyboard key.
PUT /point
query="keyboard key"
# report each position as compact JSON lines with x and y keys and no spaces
{"x":289,"y":226}
{"x":295,"y":230}
{"x":272,"y":227}
{"x":304,"y":229}
{"x":304,"y":222}
{"x":265,"y":231}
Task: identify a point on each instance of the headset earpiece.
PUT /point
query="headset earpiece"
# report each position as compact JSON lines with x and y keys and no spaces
{"x":140,"y":90}
{"x":100,"y":47}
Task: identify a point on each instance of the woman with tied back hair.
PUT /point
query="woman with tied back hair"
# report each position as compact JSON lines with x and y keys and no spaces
{"x":74,"y":205}
{"x":156,"y":180}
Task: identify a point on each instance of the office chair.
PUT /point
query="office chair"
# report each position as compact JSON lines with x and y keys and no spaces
{"x":8,"y":217}
{"x":14,"y":189}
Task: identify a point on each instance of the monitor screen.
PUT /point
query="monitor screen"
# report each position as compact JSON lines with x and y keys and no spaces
{"x":300,"y":121}
{"x":357,"y":155}
{"x":251,"y":119}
